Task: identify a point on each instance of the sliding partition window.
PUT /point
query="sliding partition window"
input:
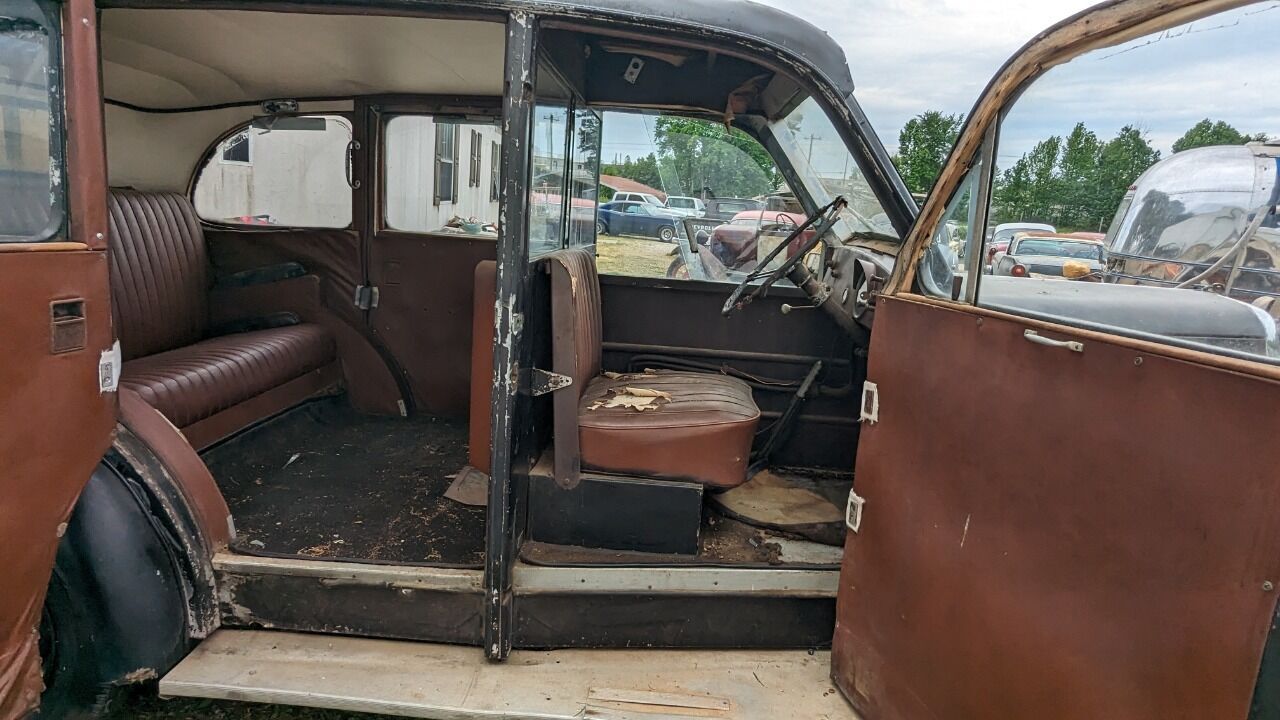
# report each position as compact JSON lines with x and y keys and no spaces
{"x":565,"y":168}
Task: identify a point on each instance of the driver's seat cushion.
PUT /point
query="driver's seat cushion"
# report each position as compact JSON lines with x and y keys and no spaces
{"x":703,"y":433}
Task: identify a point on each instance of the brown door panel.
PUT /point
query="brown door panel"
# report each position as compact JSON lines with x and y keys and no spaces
{"x":1054,"y":534}
{"x":326,"y":296}
{"x":55,"y":425}
{"x":681,"y":319}
{"x":424,"y":315}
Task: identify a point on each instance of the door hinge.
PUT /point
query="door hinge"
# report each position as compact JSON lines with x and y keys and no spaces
{"x":541,"y":382}
{"x":366,"y":297}
{"x":870,"y":413}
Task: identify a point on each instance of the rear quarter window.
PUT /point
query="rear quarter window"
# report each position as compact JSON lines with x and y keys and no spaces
{"x":286,"y":171}
{"x":31,"y":189}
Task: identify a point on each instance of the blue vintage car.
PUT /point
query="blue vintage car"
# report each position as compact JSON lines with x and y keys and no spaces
{"x":636,"y":218}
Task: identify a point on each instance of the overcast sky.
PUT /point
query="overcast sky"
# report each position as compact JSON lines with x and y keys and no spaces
{"x":908,"y":56}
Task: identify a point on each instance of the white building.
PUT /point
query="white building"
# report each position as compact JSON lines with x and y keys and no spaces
{"x":293,"y":171}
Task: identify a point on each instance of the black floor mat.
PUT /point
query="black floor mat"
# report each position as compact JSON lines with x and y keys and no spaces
{"x":327,"y":482}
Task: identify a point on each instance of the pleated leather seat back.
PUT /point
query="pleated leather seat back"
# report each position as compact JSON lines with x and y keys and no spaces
{"x":159,"y":272}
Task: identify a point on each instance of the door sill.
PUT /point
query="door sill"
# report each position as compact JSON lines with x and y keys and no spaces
{"x":424,"y":680}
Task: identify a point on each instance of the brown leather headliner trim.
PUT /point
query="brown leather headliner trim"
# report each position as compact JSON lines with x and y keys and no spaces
{"x":182,"y":462}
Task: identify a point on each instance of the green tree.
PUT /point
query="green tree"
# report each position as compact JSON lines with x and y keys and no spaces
{"x":1078,"y":178}
{"x":1206,"y":133}
{"x":923,"y":145}
{"x":695,"y":154}
{"x":1074,"y":184}
{"x":644,"y":170}
{"x":1121,"y":161}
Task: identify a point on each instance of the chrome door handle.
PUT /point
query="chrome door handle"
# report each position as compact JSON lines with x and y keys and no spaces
{"x":1039,"y":339}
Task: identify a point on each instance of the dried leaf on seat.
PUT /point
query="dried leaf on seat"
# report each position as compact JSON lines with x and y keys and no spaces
{"x":630,"y":397}
{"x":629,"y":376}
{"x":641,"y":392}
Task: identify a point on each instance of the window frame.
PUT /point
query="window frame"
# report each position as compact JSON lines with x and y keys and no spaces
{"x":988,"y":151}
{"x":439,"y":161}
{"x":48,"y":15}
{"x":473,"y":179}
{"x":212,"y":152}
{"x":495,"y":171}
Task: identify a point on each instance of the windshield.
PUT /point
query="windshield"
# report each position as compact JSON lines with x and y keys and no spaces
{"x":1059,"y":248}
{"x":827,"y":168}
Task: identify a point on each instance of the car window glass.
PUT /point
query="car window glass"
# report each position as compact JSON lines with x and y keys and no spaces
{"x":695,"y":176}
{"x":1140,"y":185}
{"x":289,"y":171}
{"x":563,"y":187}
{"x":584,"y":189}
{"x":30,"y":153}
{"x":429,"y":186}
{"x":943,"y":268}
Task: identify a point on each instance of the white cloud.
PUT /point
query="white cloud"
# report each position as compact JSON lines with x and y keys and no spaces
{"x":908,"y":56}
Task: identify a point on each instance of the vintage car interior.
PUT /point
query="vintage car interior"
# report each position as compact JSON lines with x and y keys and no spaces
{"x":331,"y":356}
{"x":367,"y":406}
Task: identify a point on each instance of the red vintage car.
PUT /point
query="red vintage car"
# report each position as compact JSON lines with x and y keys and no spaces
{"x":734,"y":243}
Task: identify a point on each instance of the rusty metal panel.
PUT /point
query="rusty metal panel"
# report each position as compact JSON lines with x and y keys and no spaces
{"x":55,"y":425}
{"x":1056,"y":534}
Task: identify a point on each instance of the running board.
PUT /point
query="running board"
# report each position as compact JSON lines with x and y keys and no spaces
{"x":448,"y":682}
{"x":555,"y":607}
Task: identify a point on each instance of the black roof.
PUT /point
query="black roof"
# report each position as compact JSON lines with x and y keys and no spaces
{"x":758,"y":23}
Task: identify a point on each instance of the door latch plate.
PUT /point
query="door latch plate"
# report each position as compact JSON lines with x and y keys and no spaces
{"x":870,"y":412}
{"x":853,"y":511}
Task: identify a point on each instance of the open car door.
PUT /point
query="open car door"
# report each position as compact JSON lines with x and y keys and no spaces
{"x":57,"y":405}
{"x":1058,"y":522}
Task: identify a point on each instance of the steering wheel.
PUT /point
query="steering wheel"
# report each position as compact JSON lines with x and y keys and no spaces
{"x":824,"y":219}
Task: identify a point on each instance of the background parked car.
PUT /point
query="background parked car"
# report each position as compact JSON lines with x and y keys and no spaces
{"x":640,"y":197}
{"x":636,"y":218}
{"x":686,"y":206}
{"x":735,"y":243}
{"x":1053,"y":256}
{"x":727,"y":208}
{"x":1004,"y":232}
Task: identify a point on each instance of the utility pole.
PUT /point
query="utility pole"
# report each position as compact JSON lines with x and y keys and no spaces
{"x":811,"y":138}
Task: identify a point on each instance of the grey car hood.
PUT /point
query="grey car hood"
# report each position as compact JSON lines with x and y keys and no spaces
{"x":1144,"y":309}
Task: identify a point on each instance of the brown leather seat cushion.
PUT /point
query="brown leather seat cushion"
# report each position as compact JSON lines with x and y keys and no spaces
{"x":704,"y":433}
{"x":192,"y":382}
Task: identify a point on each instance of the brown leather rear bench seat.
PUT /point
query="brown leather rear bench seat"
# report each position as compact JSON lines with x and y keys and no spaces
{"x":702,"y":433}
{"x":209,"y":387}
